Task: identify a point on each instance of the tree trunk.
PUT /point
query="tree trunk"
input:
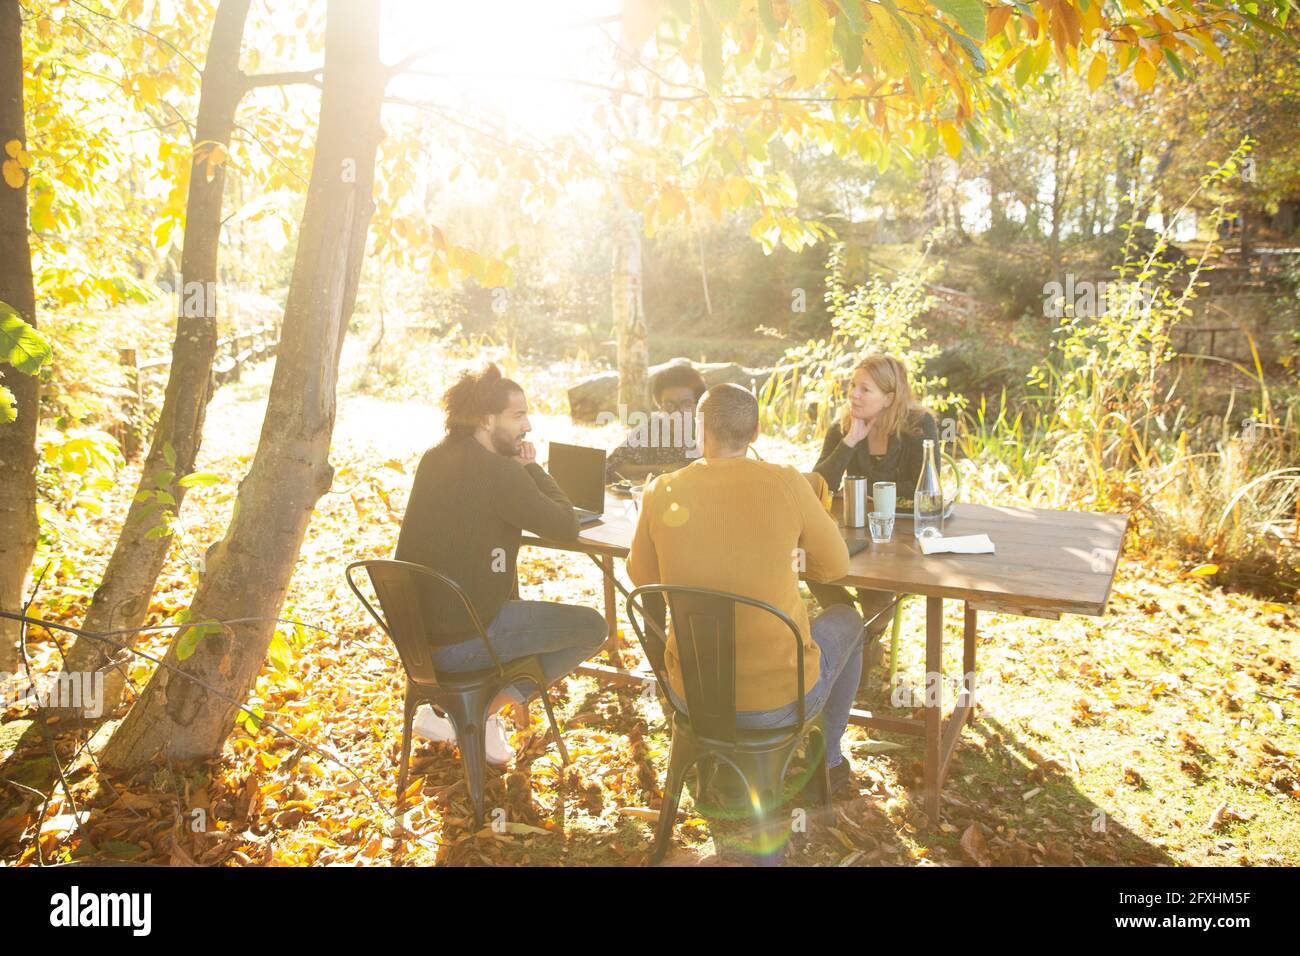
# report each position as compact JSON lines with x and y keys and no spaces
{"x":122,"y":598}
{"x":1129,"y":169}
{"x":250,"y":569}
{"x":1058,"y":202}
{"x":628,"y":306}
{"x":17,"y":438}
{"x":704,"y":271}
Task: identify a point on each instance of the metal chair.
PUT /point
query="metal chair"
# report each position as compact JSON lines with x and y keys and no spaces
{"x":704,"y":622}
{"x":464,"y":696}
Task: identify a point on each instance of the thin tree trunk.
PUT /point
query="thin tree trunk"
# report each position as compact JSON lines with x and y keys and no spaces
{"x":628,"y":307}
{"x":704,"y":272}
{"x":122,"y":598}
{"x":250,"y":570}
{"x":17,"y":438}
{"x":1058,"y":201}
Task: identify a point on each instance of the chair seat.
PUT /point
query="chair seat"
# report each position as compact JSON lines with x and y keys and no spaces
{"x":458,"y":679}
{"x":519,"y":667}
{"x":747,"y":738}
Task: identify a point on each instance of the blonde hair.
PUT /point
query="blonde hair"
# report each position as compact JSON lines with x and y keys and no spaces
{"x":890,"y":376}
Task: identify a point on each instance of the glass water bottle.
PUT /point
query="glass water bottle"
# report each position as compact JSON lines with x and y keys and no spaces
{"x":927,"y":503}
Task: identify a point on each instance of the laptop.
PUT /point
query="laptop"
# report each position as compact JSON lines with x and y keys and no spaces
{"x":580,"y":473}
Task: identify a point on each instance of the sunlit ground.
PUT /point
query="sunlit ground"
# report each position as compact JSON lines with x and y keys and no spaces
{"x":1163,"y":733}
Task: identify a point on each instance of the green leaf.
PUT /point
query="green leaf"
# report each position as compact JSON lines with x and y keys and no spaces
{"x":901,"y":20}
{"x":853,"y":12}
{"x":189,"y":641}
{"x":1265,"y":26}
{"x":1175,"y":64}
{"x":972,"y":51}
{"x":20,"y":344}
{"x":1024,"y":66}
{"x":849,"y":44}
{"x":969,"y":15}
{"x":169,"y":455}
{"x":768,"y":17}
{"x":278,"y":653}
{"x":200,"y":478}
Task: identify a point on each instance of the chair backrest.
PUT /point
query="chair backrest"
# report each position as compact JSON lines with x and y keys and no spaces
{"x":704,"y":624}
{"x":400,"y":586}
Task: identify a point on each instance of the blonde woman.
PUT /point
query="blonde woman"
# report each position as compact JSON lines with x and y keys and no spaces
{"x":878,"y":436}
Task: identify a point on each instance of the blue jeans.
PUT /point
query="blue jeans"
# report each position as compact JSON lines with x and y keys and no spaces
{"x":564,"y":635}
{"x":838,"y":635}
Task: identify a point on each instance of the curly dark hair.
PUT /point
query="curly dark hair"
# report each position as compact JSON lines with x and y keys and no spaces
{"x":678,"y":376}
{"x":474,"y":396}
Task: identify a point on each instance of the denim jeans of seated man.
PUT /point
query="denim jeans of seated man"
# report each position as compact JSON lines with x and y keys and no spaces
{"x":838,"y":634}
{"x":564,"y":635}
{"x":872,"y":602}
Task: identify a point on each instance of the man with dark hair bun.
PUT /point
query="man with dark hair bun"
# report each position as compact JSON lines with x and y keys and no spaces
{"x":474,"y":492}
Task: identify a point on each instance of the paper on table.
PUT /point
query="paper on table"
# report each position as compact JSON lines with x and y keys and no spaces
{"x":962,"y":544}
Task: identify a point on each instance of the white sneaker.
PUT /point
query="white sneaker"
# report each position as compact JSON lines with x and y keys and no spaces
{"x":499,"y":751}
{"x":433,"y":726}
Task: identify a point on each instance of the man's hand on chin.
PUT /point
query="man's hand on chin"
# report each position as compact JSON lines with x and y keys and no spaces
{"x":527,"y":453}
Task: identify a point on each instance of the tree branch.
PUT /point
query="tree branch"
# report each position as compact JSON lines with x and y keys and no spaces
{"x":309,"y":77}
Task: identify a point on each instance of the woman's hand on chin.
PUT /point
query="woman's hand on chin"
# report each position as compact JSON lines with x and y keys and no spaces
{"x":858,"y":430}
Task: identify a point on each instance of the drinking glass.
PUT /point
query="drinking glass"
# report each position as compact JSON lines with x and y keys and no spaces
{"x":882,"y":526}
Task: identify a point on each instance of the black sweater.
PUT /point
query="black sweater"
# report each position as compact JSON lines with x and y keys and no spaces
{"x":901,"y":463}
{"x":464,"y":516}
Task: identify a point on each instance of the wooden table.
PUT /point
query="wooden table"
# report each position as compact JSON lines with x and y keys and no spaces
{"x":1047,"y":563}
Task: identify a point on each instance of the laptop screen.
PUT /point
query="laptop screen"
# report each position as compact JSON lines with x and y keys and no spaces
{"x":580,"y":473}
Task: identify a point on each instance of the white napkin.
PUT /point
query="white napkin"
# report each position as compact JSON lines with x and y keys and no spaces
{"x":962,"y":544}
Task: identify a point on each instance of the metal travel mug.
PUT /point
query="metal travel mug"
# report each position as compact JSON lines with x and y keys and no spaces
{"x":884,"y":497}
{"x":855,"y":502}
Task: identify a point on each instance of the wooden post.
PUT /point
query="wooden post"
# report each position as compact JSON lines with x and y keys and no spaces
{"x":968,"y":659}
{"x":933,"y":705}
{"x":134,"y":417}
{"x":611,"y":611}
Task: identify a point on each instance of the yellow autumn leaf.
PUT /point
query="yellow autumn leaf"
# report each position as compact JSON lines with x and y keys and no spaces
{"x":1097,"y":72}
{"x":1204,"y":570}
{"x":951,"y":139}
{"x":997,"y":20}
{"x":812,"y":47}
{"x":13,"y":173}
{"x":1144,"y":72}
{"x":216,"y":156}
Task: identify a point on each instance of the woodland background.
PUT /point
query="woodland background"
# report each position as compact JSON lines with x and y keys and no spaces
{"x":243,"y":250}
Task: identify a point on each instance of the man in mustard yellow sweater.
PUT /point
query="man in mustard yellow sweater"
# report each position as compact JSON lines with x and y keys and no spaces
{"x":732,"y":523}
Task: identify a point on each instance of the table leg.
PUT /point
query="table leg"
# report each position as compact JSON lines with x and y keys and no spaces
{"x":968,"y":661}
{"x":611,"y":610}
{"x":933,"y":690}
